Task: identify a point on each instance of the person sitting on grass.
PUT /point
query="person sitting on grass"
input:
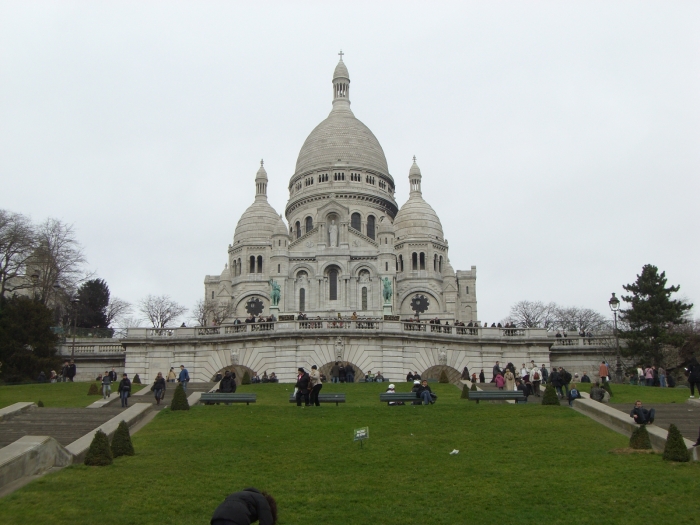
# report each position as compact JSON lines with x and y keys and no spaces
{"x":246,"y":507}
{"x":379,"y":378}
{"x":585,"y":378}
{"x":574,"y":394}
{"x":426,"y":394}
{"x":597,"y":393}
{"x":641,"y":415}
{"x":273,"y":378}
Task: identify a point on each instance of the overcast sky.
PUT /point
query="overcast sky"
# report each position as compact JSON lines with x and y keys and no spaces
{"x":559,"y":141}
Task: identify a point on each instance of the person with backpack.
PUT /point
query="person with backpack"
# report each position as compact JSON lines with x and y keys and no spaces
{"x":573,"y":394}
{"x":566,"y":378}
{"x":536,"y":380}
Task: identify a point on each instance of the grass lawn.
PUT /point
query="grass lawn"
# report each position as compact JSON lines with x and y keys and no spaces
{"x":53,"y":394}
{"x":625,"y":394}
{"x":517,"y":464}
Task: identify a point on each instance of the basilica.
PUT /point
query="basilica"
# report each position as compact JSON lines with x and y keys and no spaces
{"x":344,"y":236}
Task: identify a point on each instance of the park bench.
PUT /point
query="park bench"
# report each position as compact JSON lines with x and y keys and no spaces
{"x":324,"y":398}
{"x":209,"y":398}
{"x":403,"y":396}
{"x":497,"y":395}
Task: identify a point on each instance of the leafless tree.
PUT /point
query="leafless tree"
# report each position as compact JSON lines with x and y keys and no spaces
{"x":160,"y":310}
{"x":206,"y":311}
{"x":117,"y":309}
{"x":532,"y":314}
{"x":580,"y":319}
{"x":17,"y":243}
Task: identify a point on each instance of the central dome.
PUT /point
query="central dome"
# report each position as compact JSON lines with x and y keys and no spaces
{"x":341,"y":139}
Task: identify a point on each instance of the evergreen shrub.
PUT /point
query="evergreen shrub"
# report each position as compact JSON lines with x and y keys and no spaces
{"x":606,"y":386}
{"x":443,"y":378}
{"x":550,"y":396}
{"x":179,"y":399}
{"x":246,"y":378}
{"x":465,"y":392}
{"x":121,"y":442}
{"x":675,"y":449}
{"x":640,"y":439}
{"x":99,"y":454}
{"x":93,"y":390}
{"x":137,"y":380}
{"x":40,"y":404}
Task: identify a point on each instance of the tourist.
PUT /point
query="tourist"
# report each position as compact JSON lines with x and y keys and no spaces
{"x":302,"y":387}
{"x":273,"y":378}
{"x":416,"y":389}
{"x":585,"y":378}
{"x":342,"y":373}
{"x":158,"y":388}
{"x":379,"y":378}
{"x":558,"y":334}
{"x":536,"y":380}
{"x":573,"y":394}
{"x":473,"y":378}
{"x":246,"y":507}
{"x":264,"y":377}
{"x":171,"y":375}
{"x":556,"y":379}
{"x":228,"y":383}
{"x":426,"y":394}
{"x":603,"y":372}
{"x":465,"y":373}
{"x":237,"y":321}
{"x":416,"y":375}
{"x":53,"y":377}
{"x":545,"y":373}
{"x":640,"y":376}
{"x":392,"y":390}
{"x":520,"y":386}
{"x":597,"y":393}
{"x":649,"y":376}
{"x":335,"y":373}
{"x":641,"y":415}
{"x":500,"y":381}
{"x":256,"y":378}
{"x":124,"y":390}
{"x":510,"y":380}
{"x":349,"y":373}
{"x":409,"y":377}
{"x":496,"y":370}
{"x":697,"y":442}
{"x":354,"y":316}
{"x":565,"y":378}
{"x":482,"y":377}
{"x":693,"y":370}
{"x":184,"y":377}
{"x":250,"y":319}
{"x":316,"y":385}
{"x":662,"y":377}
{"x":113,"y":375}
{"x":106,"y":385}
{"x":41,"y":378}
{"x":524,"y":373}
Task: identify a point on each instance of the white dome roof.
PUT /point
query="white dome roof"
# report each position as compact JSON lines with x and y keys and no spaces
{"x":259,"y":222}
{"x":417,"y":219}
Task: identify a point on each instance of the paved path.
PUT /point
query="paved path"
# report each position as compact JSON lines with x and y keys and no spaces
{"x":686,"y":416}
{"x":148,"y":396}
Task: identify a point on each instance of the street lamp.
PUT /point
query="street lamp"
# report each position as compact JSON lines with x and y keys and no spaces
{"x":74,"y":302}
{"x":614,"y":304}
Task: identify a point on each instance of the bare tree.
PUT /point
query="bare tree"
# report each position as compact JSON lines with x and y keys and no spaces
{"x":580,"y":319}
{"x":532,"y":314}
{"x":17,"y":243}
{"x":117,"y":309}
{"x":160,"y":310}
{"x":206,"y":311}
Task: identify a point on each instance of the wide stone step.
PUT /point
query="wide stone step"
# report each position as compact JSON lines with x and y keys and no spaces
{"x":686,"y":416}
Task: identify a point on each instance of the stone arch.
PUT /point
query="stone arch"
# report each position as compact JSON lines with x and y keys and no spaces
{"x":326,"y":370}
{"x":355,"y":271}
{"x":239,"y":370}
{"x":323,"y":270}
{"x":435,"y":371}
{"x":302,"y":266}
{"x":242,"y":299}
{"x":434,"y":308}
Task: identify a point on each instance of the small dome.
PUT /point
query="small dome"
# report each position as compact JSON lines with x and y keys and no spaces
{"x":417,"y":219}
{"x":341,"y":71}
{"x":259,"y":222}
{"x":281,"y":228}
{"x":385,"y":225}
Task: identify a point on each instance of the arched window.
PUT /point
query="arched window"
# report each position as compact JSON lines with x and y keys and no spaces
{"x":414,"y":261}
{"x":422,"y":261}
{"x":370,"y":226}
{"x":364,"y":298}
{"x":240,"y":267}
{"x":212,"y":295}
{"x":259,"y":263}
{"x":386,"y":266}
{"x":466,"y":290}
{"x":333,"y":285}
{"x":309,"y":224}
{"x":302,"y":299}
{"x":279,"y":266}
{"x":356,"y":222}
{"x":252,"y":264}
{"x":298,"y":226}
{"x":435,"y":266}
{"x":440,"y":265}
{"x":399,"y":264}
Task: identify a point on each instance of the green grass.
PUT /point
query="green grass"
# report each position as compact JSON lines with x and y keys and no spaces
{"x":53,"y":394}
{"x":517,"y":463}
{"x":625,"y":394}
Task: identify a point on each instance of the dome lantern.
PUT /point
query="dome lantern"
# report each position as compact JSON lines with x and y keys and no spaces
{"x":261,"y":182}
{"x":414,"y":177}
{"x":341,"y":85}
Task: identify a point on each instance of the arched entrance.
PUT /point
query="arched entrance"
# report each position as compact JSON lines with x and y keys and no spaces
{"x":434,"y":372}
{"x":326,"y":370}
{"x":239,"y":370}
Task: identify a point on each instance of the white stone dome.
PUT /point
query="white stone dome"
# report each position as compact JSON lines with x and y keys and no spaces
{"x":416,"y":218}
{"x":260,"y":221}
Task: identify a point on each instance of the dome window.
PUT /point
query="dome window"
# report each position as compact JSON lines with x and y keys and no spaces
{"x":252,"y":264}
{"x":309,"y":224}
{"x":422,"y":261}
{"x":370,"y":227}
{"x":298,"y":227}
{"x":414,"y":261}
{"x":356,"y":221}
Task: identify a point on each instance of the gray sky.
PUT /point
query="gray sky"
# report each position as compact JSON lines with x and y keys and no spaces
{"x":558,"y":141}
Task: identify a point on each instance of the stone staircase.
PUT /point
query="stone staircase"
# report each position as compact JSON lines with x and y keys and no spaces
{"x":686,"y":416}
{"x":148,"y":396}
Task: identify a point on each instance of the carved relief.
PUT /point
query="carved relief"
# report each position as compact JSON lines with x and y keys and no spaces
{"x":234,"y":357}
{"x":442,"y":357}
{"x":339,"y":347}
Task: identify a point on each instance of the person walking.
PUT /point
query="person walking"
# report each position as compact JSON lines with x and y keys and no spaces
{"x":106,"y":385}
{"x":544,"y":373}
{"x":496,"y":370}
{"x":316,"y":385}
{"x":246,"y":507}
{"x":603,"y":372}
{"x":171,"y":375}
{"x":302,"y":386}
{"x":184,"y":377}
{"x":693,"y":370}
{"x":510,"y":380}
{"x":158,"y":388}
{"x":124,"y":390}
{"x":536,"y":379}
{"x":465,"y":373}
{"x":556,"y":382}
{"x":335,"y":372}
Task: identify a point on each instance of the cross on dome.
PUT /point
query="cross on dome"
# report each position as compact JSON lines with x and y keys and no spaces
{"x":341,"y":54}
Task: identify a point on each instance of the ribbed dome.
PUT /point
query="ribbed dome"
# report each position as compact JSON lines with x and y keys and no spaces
{"x":417,"y":219}
{"x":281,"y":228}
{"x":258,"y":222}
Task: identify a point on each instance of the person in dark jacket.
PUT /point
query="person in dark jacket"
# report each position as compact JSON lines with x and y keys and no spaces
{"x":425,"y":393}
{"x":228,"y":383}
{"x":465,"y":373}
{"x":72,"y":371}
{"x":556,"y":381}
{"x":124,"y":390}
{"x":597,"y":393}
{"x":693,"y":370}
{"x":585,"y":378}
{"x":409,"y":377}
{"x":545,"y":374}
{"x":349,"y":373}
{"x":496,"y":370}
{"x":246,"y":507}
{"x":302,"y":387}
{"x":641,"y":415}
{"x":158,"y":388}
{"x":522,"y":388}
{"x":482,"y":377}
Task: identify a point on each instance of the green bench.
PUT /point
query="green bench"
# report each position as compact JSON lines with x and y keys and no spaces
{"x":497,"y":395}
{"x":209,"y":398}
{"x":324,"y":398}
{"x":403,"y":396}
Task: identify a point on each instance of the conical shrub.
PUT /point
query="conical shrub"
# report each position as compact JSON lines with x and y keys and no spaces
{"x":606,"y":386}
{"x":465,"y":392}
{"x":121,"y":442}
{"x":550,"y":396}
{"x":99,"y":453}
{"x":246,"y":378}
{"x":473,"y":388}
{"x":93,"y":391}
{"x":675,"y":449}
{"x":179,"y":399}
{"x":40,"y":404}
{"x":640,"y":439}
{"x":443,"y":377}
{"x":137,"y":380}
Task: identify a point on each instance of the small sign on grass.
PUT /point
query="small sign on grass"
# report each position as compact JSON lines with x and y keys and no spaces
{"x":361,"y":434}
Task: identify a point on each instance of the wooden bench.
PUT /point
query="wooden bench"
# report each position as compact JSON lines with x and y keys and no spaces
{"x":402,"y":396}
{"x":209,"y":398}
{"x":324,"y":398}
{"x":497,"y":395}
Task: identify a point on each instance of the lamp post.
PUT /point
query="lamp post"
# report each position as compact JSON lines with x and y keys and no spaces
{"x":614,"y":304}
{"x":74,"y":302}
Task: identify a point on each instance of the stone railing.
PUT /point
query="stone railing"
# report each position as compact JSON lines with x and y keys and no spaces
{"x":596,"y":340}
{"x":91,"y":349}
